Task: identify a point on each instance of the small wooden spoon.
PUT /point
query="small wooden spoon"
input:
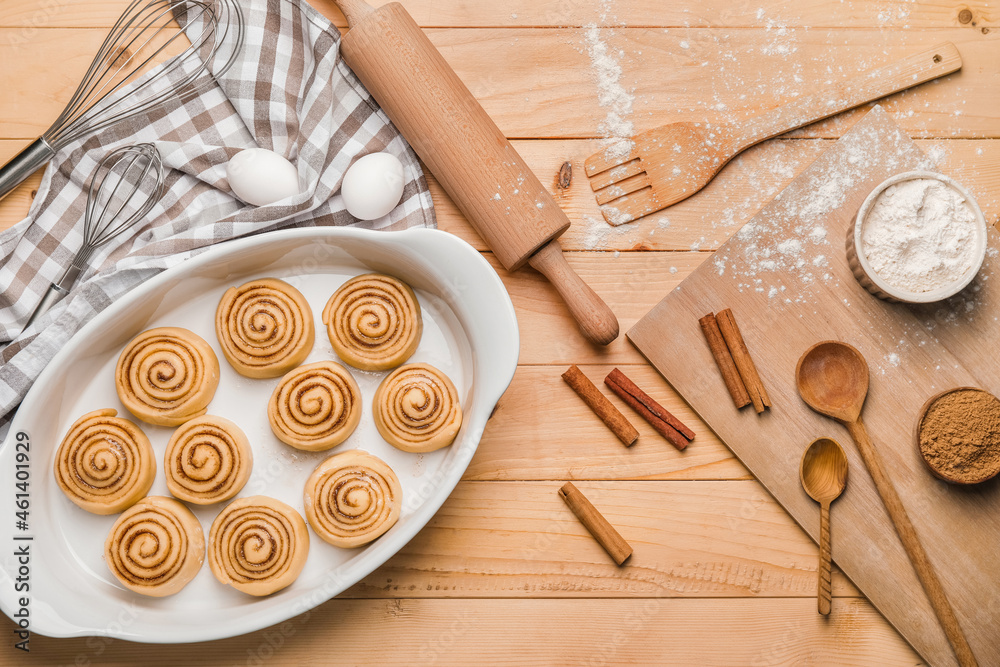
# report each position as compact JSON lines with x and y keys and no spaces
{"x":832,"y":379}
{"x":824,"y":475}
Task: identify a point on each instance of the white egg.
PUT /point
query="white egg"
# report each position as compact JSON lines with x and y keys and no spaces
{"x":260,"y":177}
{"x":373,"y":186}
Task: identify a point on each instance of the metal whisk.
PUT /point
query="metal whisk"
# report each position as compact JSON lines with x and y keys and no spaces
{"x":127,"y":184}
{"x":144,"y":32}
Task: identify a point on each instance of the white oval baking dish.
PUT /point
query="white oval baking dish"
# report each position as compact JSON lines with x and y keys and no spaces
{"x":470,"y":332}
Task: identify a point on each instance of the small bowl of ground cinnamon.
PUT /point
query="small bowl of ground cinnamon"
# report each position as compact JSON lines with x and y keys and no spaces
{"x":958,"y":435}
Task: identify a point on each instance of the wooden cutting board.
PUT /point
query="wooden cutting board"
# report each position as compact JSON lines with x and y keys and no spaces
{"x":785,"y":275}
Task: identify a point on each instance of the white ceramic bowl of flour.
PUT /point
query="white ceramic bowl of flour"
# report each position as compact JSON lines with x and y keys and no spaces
{"x":919,"y":237}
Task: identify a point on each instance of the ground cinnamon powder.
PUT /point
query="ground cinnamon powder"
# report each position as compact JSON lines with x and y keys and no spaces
{"x":960,"y":436}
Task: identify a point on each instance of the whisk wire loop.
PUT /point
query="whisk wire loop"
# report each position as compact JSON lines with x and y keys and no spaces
{"x":120,"y":53}
{"x":126,"y":185}
{"x":144,"y":32}
{"x":145,"y":25}
{"x":141,"y":159}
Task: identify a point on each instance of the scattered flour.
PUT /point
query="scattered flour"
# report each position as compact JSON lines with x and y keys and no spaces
{"x":728,"y":88}
{"x":777,"y":45}
{"x":611,"y":94}
{"x":600,"y":235}
{"x":817,"y":234}
{"x":790,"y":246}
{"x":920,"y":235}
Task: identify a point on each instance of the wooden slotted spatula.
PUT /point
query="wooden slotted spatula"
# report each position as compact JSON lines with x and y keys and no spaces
{"x":672,"y":162}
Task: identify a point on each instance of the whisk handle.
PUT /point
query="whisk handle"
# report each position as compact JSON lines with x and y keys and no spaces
{"x":54,"y":293}
{"x":24,"y":164}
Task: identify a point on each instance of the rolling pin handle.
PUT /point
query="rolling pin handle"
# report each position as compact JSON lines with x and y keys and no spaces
{"x":595,"y":319}
{"x":354,"y":10}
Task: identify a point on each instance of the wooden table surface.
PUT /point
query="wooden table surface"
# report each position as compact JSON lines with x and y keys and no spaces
{"x":504,"y":574}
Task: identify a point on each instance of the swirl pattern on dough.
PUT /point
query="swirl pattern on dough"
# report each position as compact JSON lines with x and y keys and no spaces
{"x":417,"y":409}
{"x":167,"y":376}
{"x":156,"y":547}
{"x":208,"y":460}
{"x":258,"y":545}
{"x":105,"y":464}
{"x":265,"y":328}
{"x":315,"y":407}
{"x":373,"y":322}
{"x":352,"y":498}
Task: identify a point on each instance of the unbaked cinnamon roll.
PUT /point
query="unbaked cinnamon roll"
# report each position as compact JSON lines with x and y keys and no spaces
{"x":156,"y":547}
{"x":105,"y":464}
{"x":352,"y":498}
{"x":167,"y":376}
{"x":315,"y":407}
{"x":258,"y":545}
{"x":374,"y":322}
{"x":417,"y":410}
{"x":208,"y":460}
{"x":265,"y":328}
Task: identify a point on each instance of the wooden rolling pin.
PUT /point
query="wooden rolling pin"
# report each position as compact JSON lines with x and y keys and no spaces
{"x":466,"y":152}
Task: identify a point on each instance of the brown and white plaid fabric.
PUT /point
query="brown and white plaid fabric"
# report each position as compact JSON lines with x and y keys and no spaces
{"x":288,"y":92}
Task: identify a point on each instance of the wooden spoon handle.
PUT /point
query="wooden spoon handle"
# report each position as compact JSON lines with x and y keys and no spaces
{"x":595,"y":319}
{"x":911,"y":542}
{"x":872,"y":85}
{"x":824,"y":592}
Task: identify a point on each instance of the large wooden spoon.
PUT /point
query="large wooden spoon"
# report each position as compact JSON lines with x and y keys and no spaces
{"x":832,"y":379}
{"x":823,"y":472}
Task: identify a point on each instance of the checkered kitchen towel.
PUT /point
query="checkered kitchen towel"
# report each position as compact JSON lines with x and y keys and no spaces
{"x":288,"y":92}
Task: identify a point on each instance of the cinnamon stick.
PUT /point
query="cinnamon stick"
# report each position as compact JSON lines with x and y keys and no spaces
{"x":724,"y":360}
{"x":601,"y":406}
{"x":659,"y":418}
{"x":603,"y":532}
{"x":744,"y":363}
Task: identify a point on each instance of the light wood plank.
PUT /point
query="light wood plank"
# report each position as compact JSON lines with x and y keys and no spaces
{"x":566,"y":440}
{"x":631,"y":284}
{"x":709,"y":218}
{"x":41,"y":14}
{"x":540,"y":83}
{"x":527,"y":633}
{"x":703,"y":221}
{"x":691,"y":539}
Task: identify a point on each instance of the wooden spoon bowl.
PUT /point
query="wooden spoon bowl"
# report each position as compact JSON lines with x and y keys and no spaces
{"x":823,"y":473}
{"x":832,"y":379}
